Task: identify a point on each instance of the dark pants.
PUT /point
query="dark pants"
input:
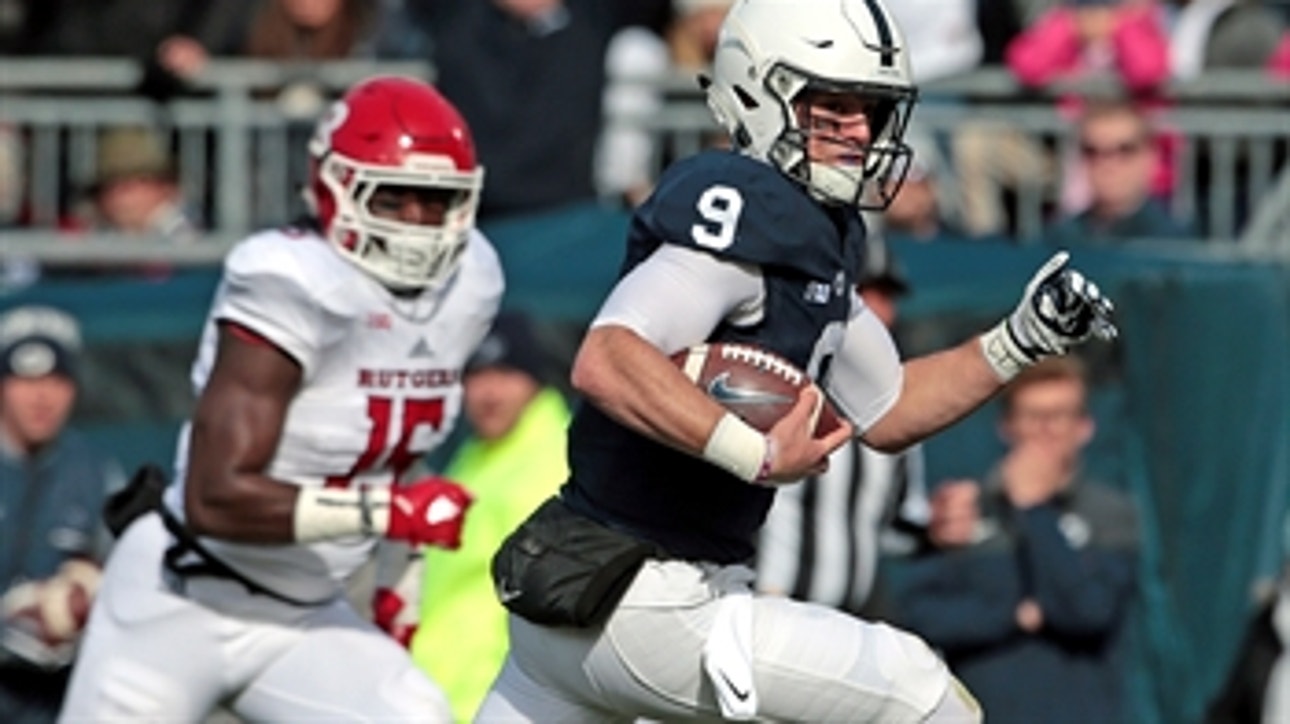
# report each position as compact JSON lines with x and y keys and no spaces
{"x":29,"y":695}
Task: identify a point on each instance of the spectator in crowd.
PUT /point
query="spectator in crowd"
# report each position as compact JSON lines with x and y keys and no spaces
{"x":629,"y":157}
{"x":823,"y":540}
{"x":292,"y":30}
{"x":310,"y":30}
{"x":1208,"y":34}
{"x":13,"y":175}
{"x":1031,"y":615}
{"x":136,"y":189}
{"x":52,"y":486}
{"x":1257,"y":686}
{"x":14,"y":272}
{"x":919,"y":210}
{"x":943,"y":37}
{"x":692,"y":35}
{"x":529,"y":76}
{"x":512,"y":461}
{"x":1075,"y":40}
{"x":169,"y":38}
{"x":1119,"y":157}
{"x":330,"y":361}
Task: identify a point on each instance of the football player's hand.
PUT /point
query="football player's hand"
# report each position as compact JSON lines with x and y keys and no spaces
{"x":1059,"y":309}
{"x":429,"y":511}
{"x":794,"y":451}
{"x":394,"y":615}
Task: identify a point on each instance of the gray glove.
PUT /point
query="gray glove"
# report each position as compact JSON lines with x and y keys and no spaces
{"x":1060,"y":309}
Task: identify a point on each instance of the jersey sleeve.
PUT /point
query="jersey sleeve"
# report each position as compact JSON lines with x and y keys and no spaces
{"x":738,"y":209}
{"x":677,"y":296}
{"x":865,"y":377}
{"x":264,"y":291}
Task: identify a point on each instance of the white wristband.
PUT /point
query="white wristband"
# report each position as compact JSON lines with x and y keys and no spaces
{"x":736,"y":446}
{"x":328,"y":513}
{"x":1003,"y":354}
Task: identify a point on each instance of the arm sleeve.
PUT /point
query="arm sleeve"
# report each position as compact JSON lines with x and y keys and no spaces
{"x":865,"y":377}
{"x":677,"y":296}
{"x":1046,"y":50}
{"x":1141,"y":48}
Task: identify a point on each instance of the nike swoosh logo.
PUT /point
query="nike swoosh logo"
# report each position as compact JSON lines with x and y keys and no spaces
{"x":506,"y":595}
{"x":740,"y":694}
{"x":721,"y":391}
{"x":821,"y":44}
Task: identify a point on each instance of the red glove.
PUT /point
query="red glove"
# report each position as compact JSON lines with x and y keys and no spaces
{"x":392,"y":614}
{"x":429,"y":511}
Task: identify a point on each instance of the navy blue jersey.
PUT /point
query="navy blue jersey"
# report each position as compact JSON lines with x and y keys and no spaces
{"x":739,"y":209}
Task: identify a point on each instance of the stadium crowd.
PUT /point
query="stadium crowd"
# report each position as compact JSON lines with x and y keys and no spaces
{"x":562,"y":122}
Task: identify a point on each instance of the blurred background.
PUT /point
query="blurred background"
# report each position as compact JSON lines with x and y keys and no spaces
{"x":140,"y":140}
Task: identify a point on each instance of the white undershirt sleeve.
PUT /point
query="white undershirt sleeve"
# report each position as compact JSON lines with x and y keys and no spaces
{"x":677,"y":296}
{"x":865,"y":377}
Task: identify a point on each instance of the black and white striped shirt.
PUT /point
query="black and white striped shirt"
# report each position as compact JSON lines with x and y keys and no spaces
{"x":823,"y":537}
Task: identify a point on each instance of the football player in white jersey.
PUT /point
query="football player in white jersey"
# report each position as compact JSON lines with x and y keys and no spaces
{"x":329,"y":363}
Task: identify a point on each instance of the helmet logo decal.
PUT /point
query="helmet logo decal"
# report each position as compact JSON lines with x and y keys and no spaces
{"x":333,"y":119}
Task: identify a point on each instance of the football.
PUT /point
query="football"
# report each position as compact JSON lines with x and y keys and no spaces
{"x":758,"y":386}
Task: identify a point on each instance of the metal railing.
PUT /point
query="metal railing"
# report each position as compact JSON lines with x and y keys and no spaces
{"x":232,"y":139}
{"x":1234,"y":125}
{"x":235,"y":144}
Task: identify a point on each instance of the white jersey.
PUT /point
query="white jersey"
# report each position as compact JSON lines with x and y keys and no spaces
{"x":381,"y":380}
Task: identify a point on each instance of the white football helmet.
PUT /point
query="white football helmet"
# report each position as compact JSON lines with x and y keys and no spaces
{"x":396,"y":132}
{"x":769,"y":51}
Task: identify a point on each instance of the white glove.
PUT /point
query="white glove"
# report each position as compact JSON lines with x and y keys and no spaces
{"x":1060,"y":309}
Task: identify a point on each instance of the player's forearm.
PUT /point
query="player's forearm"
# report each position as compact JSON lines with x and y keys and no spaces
{"x":247,"y":508}
{"x":635,"y":384}
{"x":938,"y":390}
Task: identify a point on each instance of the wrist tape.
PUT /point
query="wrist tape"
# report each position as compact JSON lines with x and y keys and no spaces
{"x":1003,"y":353}
{"x":738,"y":448}
{"x":328,"y":513}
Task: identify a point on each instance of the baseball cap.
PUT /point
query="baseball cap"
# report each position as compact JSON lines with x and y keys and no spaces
{"x":513,"y":344}
{"x":36,"y":341}
{"x":131,"y":152}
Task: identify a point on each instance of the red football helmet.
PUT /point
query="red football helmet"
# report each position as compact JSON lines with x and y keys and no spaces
{"x":390,"y":131}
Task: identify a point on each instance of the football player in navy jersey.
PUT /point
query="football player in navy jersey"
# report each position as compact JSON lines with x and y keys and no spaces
{"x":757,"y":245}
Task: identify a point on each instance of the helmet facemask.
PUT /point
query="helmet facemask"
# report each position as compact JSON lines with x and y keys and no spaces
{"x":401,"y":255}
{"x":866,"y":175}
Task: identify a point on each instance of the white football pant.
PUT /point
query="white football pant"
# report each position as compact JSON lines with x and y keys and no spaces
{"x":807,"y":662}
{"x":152,"y":655}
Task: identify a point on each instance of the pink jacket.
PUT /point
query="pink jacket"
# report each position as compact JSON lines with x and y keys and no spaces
{"x":1279,"y":63}
{"x":1051,"y":49}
